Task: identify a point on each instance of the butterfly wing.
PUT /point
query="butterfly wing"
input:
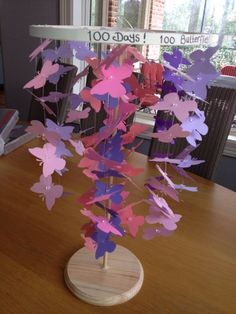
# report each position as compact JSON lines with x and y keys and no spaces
{"x":52,"y":194}
{"x":48,"y":69}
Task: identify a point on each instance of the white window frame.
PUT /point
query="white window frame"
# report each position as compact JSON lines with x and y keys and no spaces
{"x":76,"y":12}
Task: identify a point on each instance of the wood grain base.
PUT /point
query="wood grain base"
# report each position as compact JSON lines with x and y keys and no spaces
{"x":120,"y":282}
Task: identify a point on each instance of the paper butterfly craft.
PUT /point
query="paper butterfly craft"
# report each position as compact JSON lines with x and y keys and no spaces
{"x":201,"y":62}
{"x":113,"y":190}
{"x":115,"y":93}
{"x":39,"y":49}
{"x":79,"y":147}
{"x":38,"y":128}
{"x":179,"y":107}
{"x":104,"y":244}
{"x":102,"y":223}
{"x":62,"y":151}
{"x":48,"y":190}
{"x":63,"y":51}
{"x":87,"y":97}
{"x":74,"y":115}
{"x":54,"y":78}
{"x":112,"y":81}
{"x":40,"y":80}
{"x":175,"y":58}
{"x":170,"y":134}
{"x":158,"y":215}
{"x":130,"y":220}
{"x":53,"y":97}
{"x":196,"y":126}
{"x":81,"y":50}
{"x":63,"y":131}
{"x":48,"y":158}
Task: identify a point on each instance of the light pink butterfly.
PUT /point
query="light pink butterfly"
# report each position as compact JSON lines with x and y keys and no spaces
{"x":39,"y":49}
{"x":77,"y":115}
{"x":47,"y":157}
{"x":160,"y":202}
{"x":102,"y":222}
{"x":40,"y":80}
{"x":166,"y":189}
{"x":48,"y":190}
{"x":79,"y":147}
{"x":170,"y":134}
{"x":157,"y":215}
{"x":112,"y":81}
{"x":179,"y":107}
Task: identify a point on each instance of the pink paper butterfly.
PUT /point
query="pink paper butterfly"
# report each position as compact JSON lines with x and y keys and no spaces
{"x":170,"y":134}
{"x":39,"y":49}
{"x":40,"y":80}
{"x":135,"y":130}
{"x":166,"y":189}
{"x":179,"y":107}
{"x":87,"y":97}
{"x":89,"y":243}
{"x":102,"y":222}
{"x":48,"y":190}
{"x":132,"y":221}
{"x":157,"y":215}
{"x":47,"y":157}
{"x":112,"y":81}
{"x":74,"y":115}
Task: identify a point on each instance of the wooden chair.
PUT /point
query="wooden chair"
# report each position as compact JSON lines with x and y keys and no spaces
{"x":219,"y":111}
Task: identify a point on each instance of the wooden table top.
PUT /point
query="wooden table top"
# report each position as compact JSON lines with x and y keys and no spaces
{"x":193,"y":271}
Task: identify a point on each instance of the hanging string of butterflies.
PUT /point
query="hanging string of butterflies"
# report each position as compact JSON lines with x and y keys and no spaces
{"x":116,"y":89}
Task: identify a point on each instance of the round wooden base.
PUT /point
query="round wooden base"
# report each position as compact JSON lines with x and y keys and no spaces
{"x":118,"y":283}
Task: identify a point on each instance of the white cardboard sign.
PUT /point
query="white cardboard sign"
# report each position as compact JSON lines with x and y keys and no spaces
{"x":111,"y":35}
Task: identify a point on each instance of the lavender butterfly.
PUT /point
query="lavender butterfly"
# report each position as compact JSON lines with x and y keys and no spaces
{"x":49,"y":191}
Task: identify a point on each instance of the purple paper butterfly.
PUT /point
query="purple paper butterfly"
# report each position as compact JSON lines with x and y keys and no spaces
{"x":54,"y":78}
{"x":81,"y":50}
{"x":196,"y":125}
{"x":64,"y":51}
{"x":63,"y":131}
{"x":53,"y":97}
{"x":104,"y":244}
{"x":115,"y":191}
{"x":201,"y":62}
{"x":175,"y":58}
{"x":62,"y":151}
